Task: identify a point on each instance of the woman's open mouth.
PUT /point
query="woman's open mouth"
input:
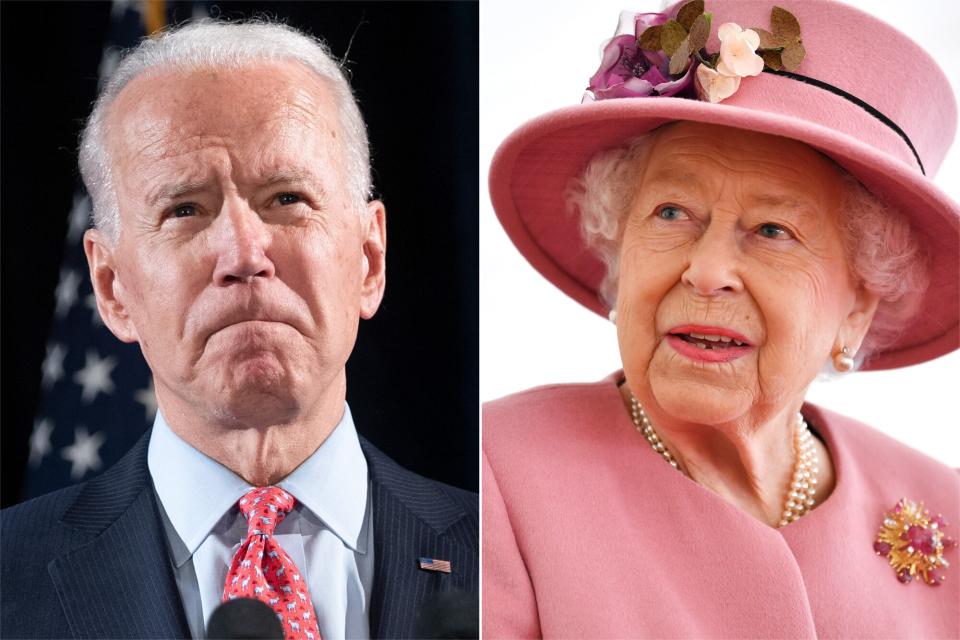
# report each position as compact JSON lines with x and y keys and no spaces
{"x":707,"y":341}
{"x":708,"y":344}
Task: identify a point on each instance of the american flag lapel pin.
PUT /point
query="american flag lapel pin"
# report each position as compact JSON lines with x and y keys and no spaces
{"x":432,"y":564}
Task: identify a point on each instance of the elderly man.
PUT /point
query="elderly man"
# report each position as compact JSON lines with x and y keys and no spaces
{"x":235,"y":241}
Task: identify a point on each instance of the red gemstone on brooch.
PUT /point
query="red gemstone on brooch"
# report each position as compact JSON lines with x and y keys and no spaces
{"x":913,"y":542}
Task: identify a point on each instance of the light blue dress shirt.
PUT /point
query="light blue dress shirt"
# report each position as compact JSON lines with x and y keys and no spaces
{"x":329,"y":533}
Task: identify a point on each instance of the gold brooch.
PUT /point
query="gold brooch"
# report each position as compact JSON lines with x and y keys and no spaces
{"x":914,"y":543}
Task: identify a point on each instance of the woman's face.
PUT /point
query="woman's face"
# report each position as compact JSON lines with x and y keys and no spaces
{"x":734,"y":236}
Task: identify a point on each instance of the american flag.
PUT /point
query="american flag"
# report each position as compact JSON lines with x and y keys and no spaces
{"x":432,"y":564}
{"x":97,"y":397}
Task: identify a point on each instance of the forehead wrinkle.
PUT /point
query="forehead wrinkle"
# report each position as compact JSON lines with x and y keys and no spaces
{"x":166,"y":178}
{"x":160,"y":138}
{"x":673,"y":170}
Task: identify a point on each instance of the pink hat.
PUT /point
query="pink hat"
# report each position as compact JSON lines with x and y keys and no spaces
{"x":841,"y":100}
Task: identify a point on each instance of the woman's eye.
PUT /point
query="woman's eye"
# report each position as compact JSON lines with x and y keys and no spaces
{"x":670,"y":213}
{"x":774,"y":232}
{"x":288,"y":198}
{"x":185,"y":211}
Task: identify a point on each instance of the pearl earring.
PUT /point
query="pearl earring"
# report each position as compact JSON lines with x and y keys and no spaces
{"x":843,"y":361}
{"x":612,"y":316}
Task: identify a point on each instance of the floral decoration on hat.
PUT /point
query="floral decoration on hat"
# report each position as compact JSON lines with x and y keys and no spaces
{"x":914,"y":543}
{"x":659,"y":55}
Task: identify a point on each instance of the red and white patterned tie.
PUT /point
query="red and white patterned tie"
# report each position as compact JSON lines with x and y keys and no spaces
{"x":261,"y":569}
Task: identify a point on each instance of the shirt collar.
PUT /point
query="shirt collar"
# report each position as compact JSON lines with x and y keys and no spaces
{"x":198,"y":491}
{"x":332,"y":483}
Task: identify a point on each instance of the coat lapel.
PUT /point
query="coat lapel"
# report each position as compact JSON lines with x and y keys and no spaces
{"x":121,"y":583}
{"x":412,"y":518}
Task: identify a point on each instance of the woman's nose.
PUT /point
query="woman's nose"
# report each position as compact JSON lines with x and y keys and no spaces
{"x":241,"y":242}
{"x":713,"y":267}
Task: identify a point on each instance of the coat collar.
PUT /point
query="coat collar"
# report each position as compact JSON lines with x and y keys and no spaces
{"x":412,"y":518}
{"x":121,"y":583}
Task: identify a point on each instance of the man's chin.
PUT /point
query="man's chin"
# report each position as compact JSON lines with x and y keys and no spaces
{"x":256,"y":390}
{"x":255,"y":407}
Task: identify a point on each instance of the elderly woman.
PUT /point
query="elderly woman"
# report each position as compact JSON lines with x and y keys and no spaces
{"x":746,"y":205}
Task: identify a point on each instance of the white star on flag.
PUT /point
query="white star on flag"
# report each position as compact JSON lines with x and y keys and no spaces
{"x":66,"y":291}
{"x":53,"y":364}
{"x":148,"y":398}
{"x":40,"y":441}
{"x":95,"y":376}
{"x":79,"y":217}
{"x":91,"y":302}
{"x":84,"y":453}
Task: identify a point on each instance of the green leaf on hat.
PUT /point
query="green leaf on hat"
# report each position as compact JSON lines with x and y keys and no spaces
{"x":792,"y":56}
{"x":671,"y":35}
{"x":680,"y":58}
{"x":771,"y":59}
{"x":699,"y":32}
{"x":784,"y":24}
{"x":650,"y":39}
{"x":767,"y":39}
{"x":688,"y":13}
{"x":781,"y":48}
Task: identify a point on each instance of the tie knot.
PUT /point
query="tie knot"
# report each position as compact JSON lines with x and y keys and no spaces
{"x":264,"y":508}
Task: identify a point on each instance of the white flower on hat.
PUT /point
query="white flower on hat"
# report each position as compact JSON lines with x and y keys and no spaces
{"x":713,"y":86}
{"x":737,"y":51}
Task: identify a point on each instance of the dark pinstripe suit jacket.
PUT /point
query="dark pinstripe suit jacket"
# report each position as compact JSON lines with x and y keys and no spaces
{"x":91,"y":561}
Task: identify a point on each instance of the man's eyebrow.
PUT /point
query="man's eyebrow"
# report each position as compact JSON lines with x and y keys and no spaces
{"x":302,"y":177}
{"x":292,"y":175}
{"x":175,"y":191}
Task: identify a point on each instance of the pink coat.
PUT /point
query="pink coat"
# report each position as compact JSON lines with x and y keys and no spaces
{"x":588,"y":533}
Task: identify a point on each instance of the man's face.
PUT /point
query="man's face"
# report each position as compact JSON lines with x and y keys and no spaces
{"x":243,"y":262}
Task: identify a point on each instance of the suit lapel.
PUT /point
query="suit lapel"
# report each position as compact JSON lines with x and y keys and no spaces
{"x":121,"y":583}
{"x":413,"y":519}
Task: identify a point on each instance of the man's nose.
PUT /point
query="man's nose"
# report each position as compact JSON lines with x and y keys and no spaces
{"x":242,"y":242}
{"x":713,"y":268}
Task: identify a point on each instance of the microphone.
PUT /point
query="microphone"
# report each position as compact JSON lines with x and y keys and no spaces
{"x":449,"y":614}
{"x":244,"y":619}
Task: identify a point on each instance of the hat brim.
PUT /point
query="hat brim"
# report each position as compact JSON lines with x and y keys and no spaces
{"x":533,"y":166}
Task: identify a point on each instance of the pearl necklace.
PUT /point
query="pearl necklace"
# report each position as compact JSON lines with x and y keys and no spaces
{"x":799,"y":499}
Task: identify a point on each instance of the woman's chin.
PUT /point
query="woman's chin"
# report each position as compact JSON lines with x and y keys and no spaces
{"x":698,"y":403}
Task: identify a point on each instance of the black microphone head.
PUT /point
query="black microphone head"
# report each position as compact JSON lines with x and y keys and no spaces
{"x":449,"y":614}
{"x":244,"y":619}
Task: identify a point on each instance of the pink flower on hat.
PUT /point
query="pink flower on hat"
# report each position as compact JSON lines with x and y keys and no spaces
{"x":737,"y":51}
{"x":627,"y":71}
{"x":713,"y":86}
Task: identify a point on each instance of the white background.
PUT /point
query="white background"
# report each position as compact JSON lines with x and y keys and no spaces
{"x":536,"y":56}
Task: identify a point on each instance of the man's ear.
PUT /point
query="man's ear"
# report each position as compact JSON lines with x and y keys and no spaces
{"x":111,"y":296}
{"x":374,"y":259}
{"x":857,"y":323}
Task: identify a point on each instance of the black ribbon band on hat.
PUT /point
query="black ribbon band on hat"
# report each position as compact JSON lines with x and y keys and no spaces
{"x":855,"y":100}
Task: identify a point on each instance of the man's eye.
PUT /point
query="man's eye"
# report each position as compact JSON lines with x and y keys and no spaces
{"x":774,"y":232}
{"x":288,"y":198}
{"x":185,"y":211}
{"x":670,"y":213}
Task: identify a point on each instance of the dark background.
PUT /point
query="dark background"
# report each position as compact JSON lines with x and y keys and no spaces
{"x":412,"y":379}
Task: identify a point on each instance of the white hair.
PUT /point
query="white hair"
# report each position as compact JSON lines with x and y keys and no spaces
{"x":215,"y":44}
{"x":884,"y":253}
